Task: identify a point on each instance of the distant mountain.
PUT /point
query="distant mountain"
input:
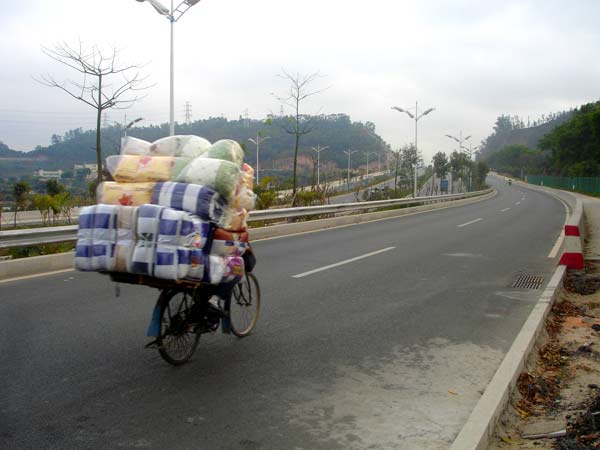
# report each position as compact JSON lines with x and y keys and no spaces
{"x":7,"y":152}
{"x":336,"y":131}
{"x":511,"y":130}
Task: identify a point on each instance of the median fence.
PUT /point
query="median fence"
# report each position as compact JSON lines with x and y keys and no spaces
{"x":590,"y":185}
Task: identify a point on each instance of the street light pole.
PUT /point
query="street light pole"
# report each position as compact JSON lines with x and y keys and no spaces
{"x":416,"y":116}
{"x":257,"y":142}
{"x":172,"y":78}
{"x":460,"y":140}
{"x":349,"y":152}
{"x":173,"y":15}
{"x":319,"y":149}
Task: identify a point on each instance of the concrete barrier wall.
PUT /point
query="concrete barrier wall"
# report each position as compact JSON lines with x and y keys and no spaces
{"x":37,"y":264}
{"x":41,"y":264}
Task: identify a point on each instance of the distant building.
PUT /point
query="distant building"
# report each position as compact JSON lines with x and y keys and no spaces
{"x":92,"y":167}
{"x":48,"y":174}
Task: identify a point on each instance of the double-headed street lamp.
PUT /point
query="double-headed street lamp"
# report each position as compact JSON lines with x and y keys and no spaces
{"x":257,"y":142}
{"x":319,"y":149}
{"x":460,"y":140}
{"x":349,"y":153}
{"x":416,"y":116}
{"x":173,"y":15}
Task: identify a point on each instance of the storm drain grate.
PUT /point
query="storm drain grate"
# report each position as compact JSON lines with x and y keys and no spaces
{"x":528,"y":282}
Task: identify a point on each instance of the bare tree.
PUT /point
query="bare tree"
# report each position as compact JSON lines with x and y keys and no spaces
{"x":299,"y":90}
{"x":105,"y":83}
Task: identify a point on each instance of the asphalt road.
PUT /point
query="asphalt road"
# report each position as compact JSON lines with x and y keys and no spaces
{"x":391,"y":351}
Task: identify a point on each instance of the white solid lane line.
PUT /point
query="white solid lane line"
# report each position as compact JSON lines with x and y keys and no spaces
{"x":27,"y":277}
{"x":561,"y":237}
{"x":505,"y":209}
{"x":557,"y":245}
{"x":469,"y":223}
{"x":341,"y":263}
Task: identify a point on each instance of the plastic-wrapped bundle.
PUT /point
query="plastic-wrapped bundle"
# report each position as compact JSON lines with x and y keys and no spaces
{"x":184,"y":146}
{"x":244,"y":198}
{"x":96,"y":238}
{"x":226,"y":150}
{"x":126,"y":237}
{"x":247,"y":177}
{"x":222,"y":176}
{"x":179,"y":234}
{"x":126,"y":194}
{"x":198,"y":262}
{"x":171,"y":262}
{"x":135,"y":168}
{"x":134,"y":146}
{"x":147,"y":234}
{"x":226,"y":243}
{"x":225,"y":269}
{"x":194,"y":198}
{"x":194,"y":232}
{"x":234,"y":219}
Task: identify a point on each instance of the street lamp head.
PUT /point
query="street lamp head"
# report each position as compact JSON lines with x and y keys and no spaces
{"x":190,"y":2}
{"x":159,"y":7}
{"x":468,"y":137}
{"x":428,"y":111}
{"x":408,"y":113}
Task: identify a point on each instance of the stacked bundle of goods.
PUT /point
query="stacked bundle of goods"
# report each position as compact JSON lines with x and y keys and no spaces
{"x":176,"y":210}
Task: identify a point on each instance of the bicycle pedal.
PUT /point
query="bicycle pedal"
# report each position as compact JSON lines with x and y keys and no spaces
{"x":152,"y":344}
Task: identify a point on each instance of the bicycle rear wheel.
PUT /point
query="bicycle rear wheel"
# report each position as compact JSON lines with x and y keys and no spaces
{"x":177,"y":340}
{"x":244,"y":306}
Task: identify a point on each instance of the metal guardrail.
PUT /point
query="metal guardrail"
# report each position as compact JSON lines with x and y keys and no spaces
{"x":48,"y":235}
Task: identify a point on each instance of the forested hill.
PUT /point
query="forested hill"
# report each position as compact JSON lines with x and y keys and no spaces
{"x":336,"y":131}
{"x":569,"y":149}
{"x":7,"y":152}
{"x":512,"y":130}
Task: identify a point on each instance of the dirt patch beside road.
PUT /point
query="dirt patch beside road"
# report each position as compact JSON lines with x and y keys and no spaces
{"x":559,"y":391}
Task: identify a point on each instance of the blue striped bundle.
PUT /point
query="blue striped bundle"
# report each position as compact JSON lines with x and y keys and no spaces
{"x":96,"y":238}
{"x":193,"y":198}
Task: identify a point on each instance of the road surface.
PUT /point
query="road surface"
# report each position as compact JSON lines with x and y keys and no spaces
{"x":390,"y":351}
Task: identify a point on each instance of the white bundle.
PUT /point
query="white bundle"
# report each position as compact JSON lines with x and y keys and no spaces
{"x":134,"y":146}
{"x":186,"y":146}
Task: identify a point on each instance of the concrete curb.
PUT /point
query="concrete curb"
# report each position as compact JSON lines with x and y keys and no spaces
{"x":476,"y":433}
{"x":50,"y":263}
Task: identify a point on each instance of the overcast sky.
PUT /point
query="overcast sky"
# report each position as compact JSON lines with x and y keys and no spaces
{"x":471,"y":60}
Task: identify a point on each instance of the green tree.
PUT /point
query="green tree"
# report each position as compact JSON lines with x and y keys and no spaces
{"x":53,"y":187}
{"x":575,"y":145}
{"x":42,"y":203}
{"x":21,"y":191}
{"x":410,"y":161}
{"x":440,"y":164}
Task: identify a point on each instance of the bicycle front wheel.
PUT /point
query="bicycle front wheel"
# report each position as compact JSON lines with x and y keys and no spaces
{"x":177,"y":340}
{"x":244,"y":306}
